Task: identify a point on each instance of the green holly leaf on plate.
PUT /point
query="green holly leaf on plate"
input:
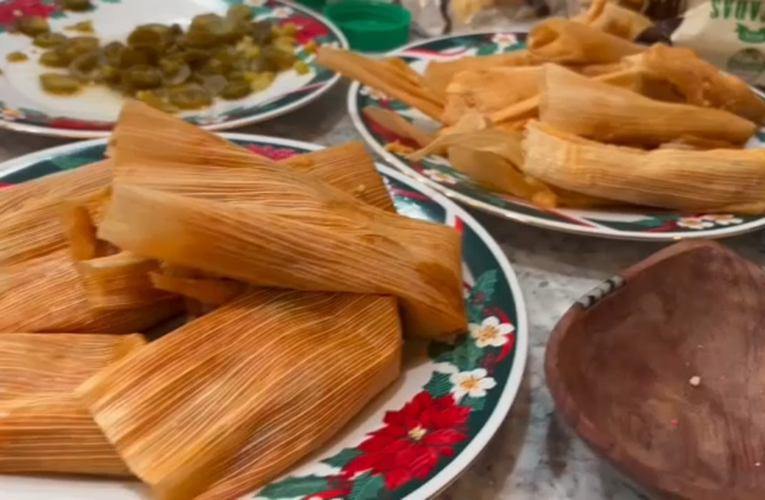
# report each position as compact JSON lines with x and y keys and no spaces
{"x":292,"y":487}
{"x":439,"y":385}
{"x":366,"y":487}
{"x":341,"y":459}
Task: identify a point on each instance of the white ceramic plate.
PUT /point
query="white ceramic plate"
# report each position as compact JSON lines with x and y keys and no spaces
{"x":25,"y":107}
{"x":437,"y":173}
{"x":436,"y":427}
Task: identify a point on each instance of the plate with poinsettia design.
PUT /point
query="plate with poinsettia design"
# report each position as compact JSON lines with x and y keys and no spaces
{"x":437,"y":172}
{"x":418,"y":435}
{"x":25,"y":107}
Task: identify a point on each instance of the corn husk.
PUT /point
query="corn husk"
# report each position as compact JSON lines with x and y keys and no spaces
{"x":716,"y":181}
{"x":397,"y":124}
{"x":387,"y":77}
{"x":120,"y":281}
{"x":490,"y":90}
{"x":38,"y":230}
{"x":81,"y":181}
{"x":347,"y":167}
{"x":80,"y":232}
{"x":561,"y":41}
{"x":325,"y":252}
{"x":507,"y":145}
{"x":240,"y":394}
{"x":438,"y":74}
{"x":283,"y":229}
{"x":43,"y":427}
{"x":701,"y":83}
{"x":209,"y":291}
{"x":618,"y":21}
{"x":523,"y":111}
{"x":607,"y":113}
{"x":48,"y":295}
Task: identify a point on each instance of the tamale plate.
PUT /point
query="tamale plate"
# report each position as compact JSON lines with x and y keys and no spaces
{"x":437,"y":172}
{"x":439,"y":415}
{"x":25,"y":107}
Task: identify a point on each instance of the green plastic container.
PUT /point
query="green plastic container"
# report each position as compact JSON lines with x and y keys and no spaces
{"x":371,"y":26}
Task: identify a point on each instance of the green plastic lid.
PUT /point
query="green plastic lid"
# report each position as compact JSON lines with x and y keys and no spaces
{"x":371,"y":26}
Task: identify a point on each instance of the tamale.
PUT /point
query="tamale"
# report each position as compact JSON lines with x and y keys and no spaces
{"x":290,"y":210}
{"x":717,"y":181}
{"x":223,"y":404}
{"x":38,"y":229}
{"x":48,"y":295}
{"x":490,"y":90}
{"x":325,"y":251}
{"x":347,"y":167}
{"x":56,"y":187}
{"x":607,"y":113}
{"x":701,"y":83}
{"x":397,"y":124}
{"x":80,"y":232}
{"x":561,"y":41}
{"x":120,"y":281}
{"x":206,"y":290}
{"x":43,"y":426}
{"x":439,"y":74}
{"x":382,"y":75}
{"x":619,"y":21}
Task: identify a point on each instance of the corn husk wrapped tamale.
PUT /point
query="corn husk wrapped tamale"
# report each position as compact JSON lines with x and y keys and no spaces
{"x":39,"y":228}
{"x":561,"y":41}
{"x":240,"y":394}
{"x":716,"y":181}
{"x":48,"y":295}
{"x":607,"y":113}
{"x":617,"y":20}
{"x":75,"y":183}
{"x":327,"y":251}
{"x":490,"y":90}
{"x":347,"y":167}
{"x":701,"y":83}
{"x":310,"y":235}
{"x":397,"y":124}
{"x":44,"y":428}
{"x":439,"y":74}
{"x":386,"y":75}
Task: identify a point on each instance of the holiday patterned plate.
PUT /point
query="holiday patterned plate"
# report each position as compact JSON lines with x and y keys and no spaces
{"x":417,"y":436}
{"x":438,"y":173}
{"x":25,"y":107}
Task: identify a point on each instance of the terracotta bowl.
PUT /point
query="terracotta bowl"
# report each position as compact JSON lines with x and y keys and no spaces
{"x":661,"y":370}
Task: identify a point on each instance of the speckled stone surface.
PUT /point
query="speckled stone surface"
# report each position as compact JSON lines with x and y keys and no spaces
{"x":532,"y":457}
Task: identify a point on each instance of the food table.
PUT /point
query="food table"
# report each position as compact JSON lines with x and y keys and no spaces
{"x":532,"y":456}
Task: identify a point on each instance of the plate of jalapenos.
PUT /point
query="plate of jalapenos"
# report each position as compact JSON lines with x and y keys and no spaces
{"x":67,"y":66}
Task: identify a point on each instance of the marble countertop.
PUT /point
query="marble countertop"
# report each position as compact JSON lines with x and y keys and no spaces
{"x":532,"y":457}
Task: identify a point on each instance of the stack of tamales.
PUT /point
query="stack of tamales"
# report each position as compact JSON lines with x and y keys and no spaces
{"x":297,"y":280}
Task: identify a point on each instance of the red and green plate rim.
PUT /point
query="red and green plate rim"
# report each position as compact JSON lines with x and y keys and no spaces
{"x":323,"y":80}
{"x":495,"y":292}
{"x":659,"y":226}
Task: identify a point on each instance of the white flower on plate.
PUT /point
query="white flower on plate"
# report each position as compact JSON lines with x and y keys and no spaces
{"x":490,"y":332}
{"x":474,"y":383}
{"x":332,"y":45}
{"x":439,"y":176}
{"x":694,"y":223}
{"x":723,"y":220}
{"x":504,"y":40}
{"x":10,"y":114}
{"x":373,"y":93}
{"x":282,"y":12}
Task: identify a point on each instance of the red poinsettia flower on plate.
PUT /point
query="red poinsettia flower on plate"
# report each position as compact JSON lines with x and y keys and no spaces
{"x":272,"y":152}
{"x":309,"y":28}
{"x":412,"y":441}
{"x":13,"y":9}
